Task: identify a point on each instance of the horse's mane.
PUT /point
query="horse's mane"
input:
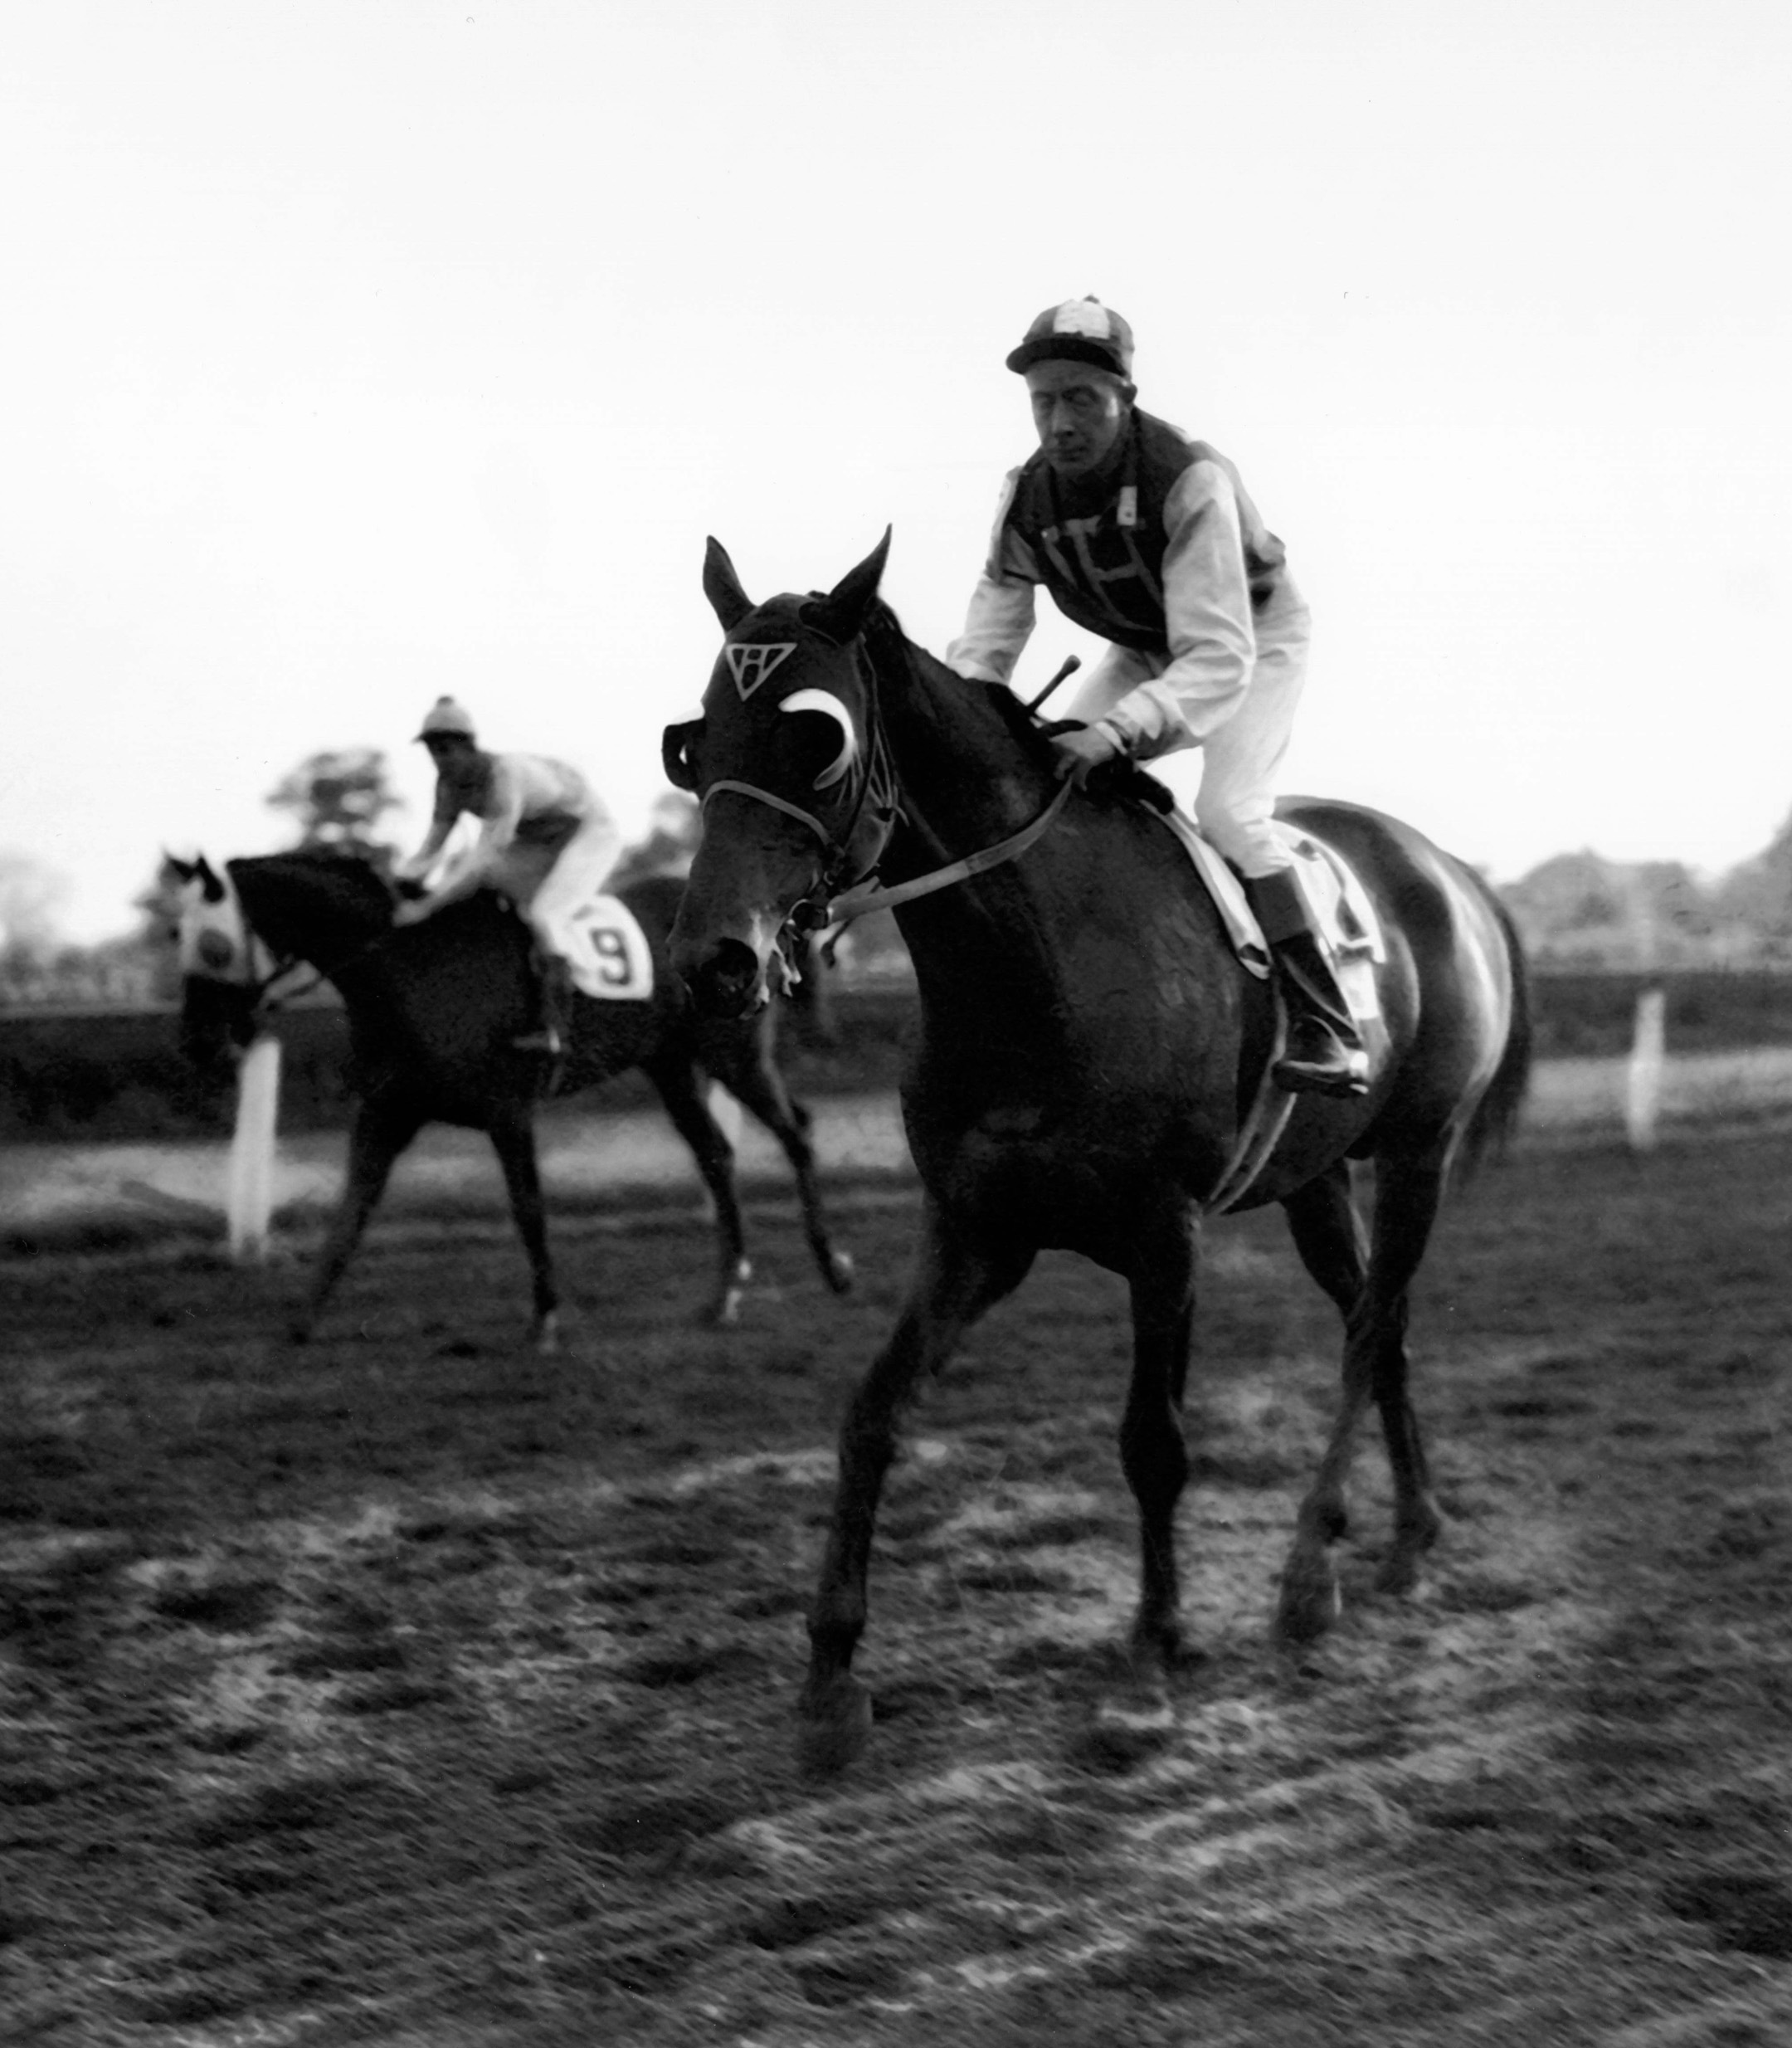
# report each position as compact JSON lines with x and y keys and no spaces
{"x":354,"y":881}
{"x":356,"y":866}
{"x":888,"y":644}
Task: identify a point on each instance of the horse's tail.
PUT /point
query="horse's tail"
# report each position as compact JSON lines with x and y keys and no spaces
{"x":1495,"y":1115}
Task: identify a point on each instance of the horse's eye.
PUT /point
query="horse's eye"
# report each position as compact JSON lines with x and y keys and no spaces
{"x":677,"y":748}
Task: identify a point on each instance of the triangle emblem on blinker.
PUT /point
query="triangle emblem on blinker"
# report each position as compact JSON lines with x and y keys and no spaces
{"x":751,"y":661}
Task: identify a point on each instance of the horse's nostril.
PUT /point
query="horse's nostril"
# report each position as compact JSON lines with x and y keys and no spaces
{"x":725,"y":982}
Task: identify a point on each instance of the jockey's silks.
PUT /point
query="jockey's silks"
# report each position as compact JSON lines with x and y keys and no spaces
{"x":1104,"y":566}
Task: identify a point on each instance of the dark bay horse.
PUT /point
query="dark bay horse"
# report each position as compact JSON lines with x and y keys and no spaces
{"x":433,"y":1009}
{"x":1089,"y":1047}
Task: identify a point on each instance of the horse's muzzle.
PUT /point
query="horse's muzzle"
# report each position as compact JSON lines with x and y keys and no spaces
{"x":726,"y":982}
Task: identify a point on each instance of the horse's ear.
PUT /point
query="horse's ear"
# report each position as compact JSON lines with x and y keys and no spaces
{"x":722,"y":587}
{"x":197,"y":869}
{"x":676,"y":744}
{"x":841,"y":614}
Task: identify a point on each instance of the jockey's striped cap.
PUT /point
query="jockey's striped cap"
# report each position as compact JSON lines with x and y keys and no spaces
{"x":444,"y":715}
{"x":1080,"y":330}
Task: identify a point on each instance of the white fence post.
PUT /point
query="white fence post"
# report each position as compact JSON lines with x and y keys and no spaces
{"x":1643,"y":1081}
{"x":249,"y":1204}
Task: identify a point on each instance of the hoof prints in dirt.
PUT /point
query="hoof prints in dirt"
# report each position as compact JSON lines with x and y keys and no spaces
{"x":1745,"y":1910}
{"x":410,"y":1694}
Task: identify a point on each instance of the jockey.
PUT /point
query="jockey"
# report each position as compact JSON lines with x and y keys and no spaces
{"x":1147,"y":538}
{"x":545,"y":841}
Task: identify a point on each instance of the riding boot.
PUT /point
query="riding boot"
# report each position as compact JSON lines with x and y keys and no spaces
{"x":554,"y":983}
{"x":1325,"y":1054}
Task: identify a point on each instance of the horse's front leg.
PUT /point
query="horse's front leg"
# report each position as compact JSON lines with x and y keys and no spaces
{"x":684,"y":1089}
{"x":513,"y":1136}
{"x":757,"y":1083}
{"x":956,"y":1282}
{"x":381,"y":1130}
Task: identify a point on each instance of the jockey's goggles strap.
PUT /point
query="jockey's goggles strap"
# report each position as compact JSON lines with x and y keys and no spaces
{"x":875,"y":896}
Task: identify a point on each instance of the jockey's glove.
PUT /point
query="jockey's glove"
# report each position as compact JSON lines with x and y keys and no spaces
{"x":1095,"y":760}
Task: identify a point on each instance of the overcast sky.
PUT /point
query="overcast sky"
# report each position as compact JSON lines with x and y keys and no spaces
{"x":355,"y":352}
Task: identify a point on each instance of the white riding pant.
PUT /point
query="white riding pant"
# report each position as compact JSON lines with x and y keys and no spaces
{"x":1240,"y":761}
{"x":548,"y":883}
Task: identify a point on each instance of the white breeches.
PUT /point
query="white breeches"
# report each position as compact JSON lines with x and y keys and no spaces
{"x":546,"y":886}
{"x":1240,"y":761}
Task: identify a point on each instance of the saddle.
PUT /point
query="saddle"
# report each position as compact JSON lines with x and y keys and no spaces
{"x":1343,"y":916}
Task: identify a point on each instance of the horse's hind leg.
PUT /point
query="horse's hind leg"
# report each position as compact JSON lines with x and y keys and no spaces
{"x":1372,"y":1292}
{"x":1153,"y":1453}
{"x":760,"y":1087}
{"x":1328,"y":1235}
{"x":514,"y":1140}
{"x":955,"y":1282}
{"x":1408,"y":1194}
{"x":380,"y":1132}
{"x":681,"y":1086}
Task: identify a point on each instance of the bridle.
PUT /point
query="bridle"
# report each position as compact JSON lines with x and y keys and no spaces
{"x":872,"y":791}
{"x":876,"y":793}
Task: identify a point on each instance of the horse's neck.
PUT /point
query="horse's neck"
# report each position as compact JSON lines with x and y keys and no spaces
{"x":966,"y":781}
{"x":308,"y":915}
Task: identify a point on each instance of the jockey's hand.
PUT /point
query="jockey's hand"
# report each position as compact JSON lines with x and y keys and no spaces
{"x":1081,"y":749}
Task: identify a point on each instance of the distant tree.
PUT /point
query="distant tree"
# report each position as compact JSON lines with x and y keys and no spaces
{"x":337,"y":798}
{"x":671,"y":844}
{"x":1757,"y":895}
{"x":30,"y":895}
{"x":1581,"y":909}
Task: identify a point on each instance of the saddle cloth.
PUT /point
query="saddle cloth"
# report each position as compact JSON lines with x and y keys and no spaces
{"x":1342,"y":913}
{"x":607,"y":950}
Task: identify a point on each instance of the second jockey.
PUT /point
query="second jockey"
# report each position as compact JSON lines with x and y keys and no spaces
{"x":545,"y":841}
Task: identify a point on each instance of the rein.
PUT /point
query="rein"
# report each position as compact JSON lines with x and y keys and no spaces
{"x":875,"y":895}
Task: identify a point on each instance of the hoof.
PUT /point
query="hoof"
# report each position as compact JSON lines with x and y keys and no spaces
{"x":840,"y":1272}
{"x":834,"y":1724}
{"x":1397,"y":1576}
{"x":547,"y":1335}
{"x":1127,"y":1729}
{"x":724,"y":1311}
{"x":1310,"y":1603}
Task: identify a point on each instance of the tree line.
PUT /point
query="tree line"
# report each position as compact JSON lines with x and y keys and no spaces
{"x":1574,"y":910}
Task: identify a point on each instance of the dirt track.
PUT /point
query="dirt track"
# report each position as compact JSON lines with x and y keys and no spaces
{"x":410,"y":1688}
{"x":589,"y":1156}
